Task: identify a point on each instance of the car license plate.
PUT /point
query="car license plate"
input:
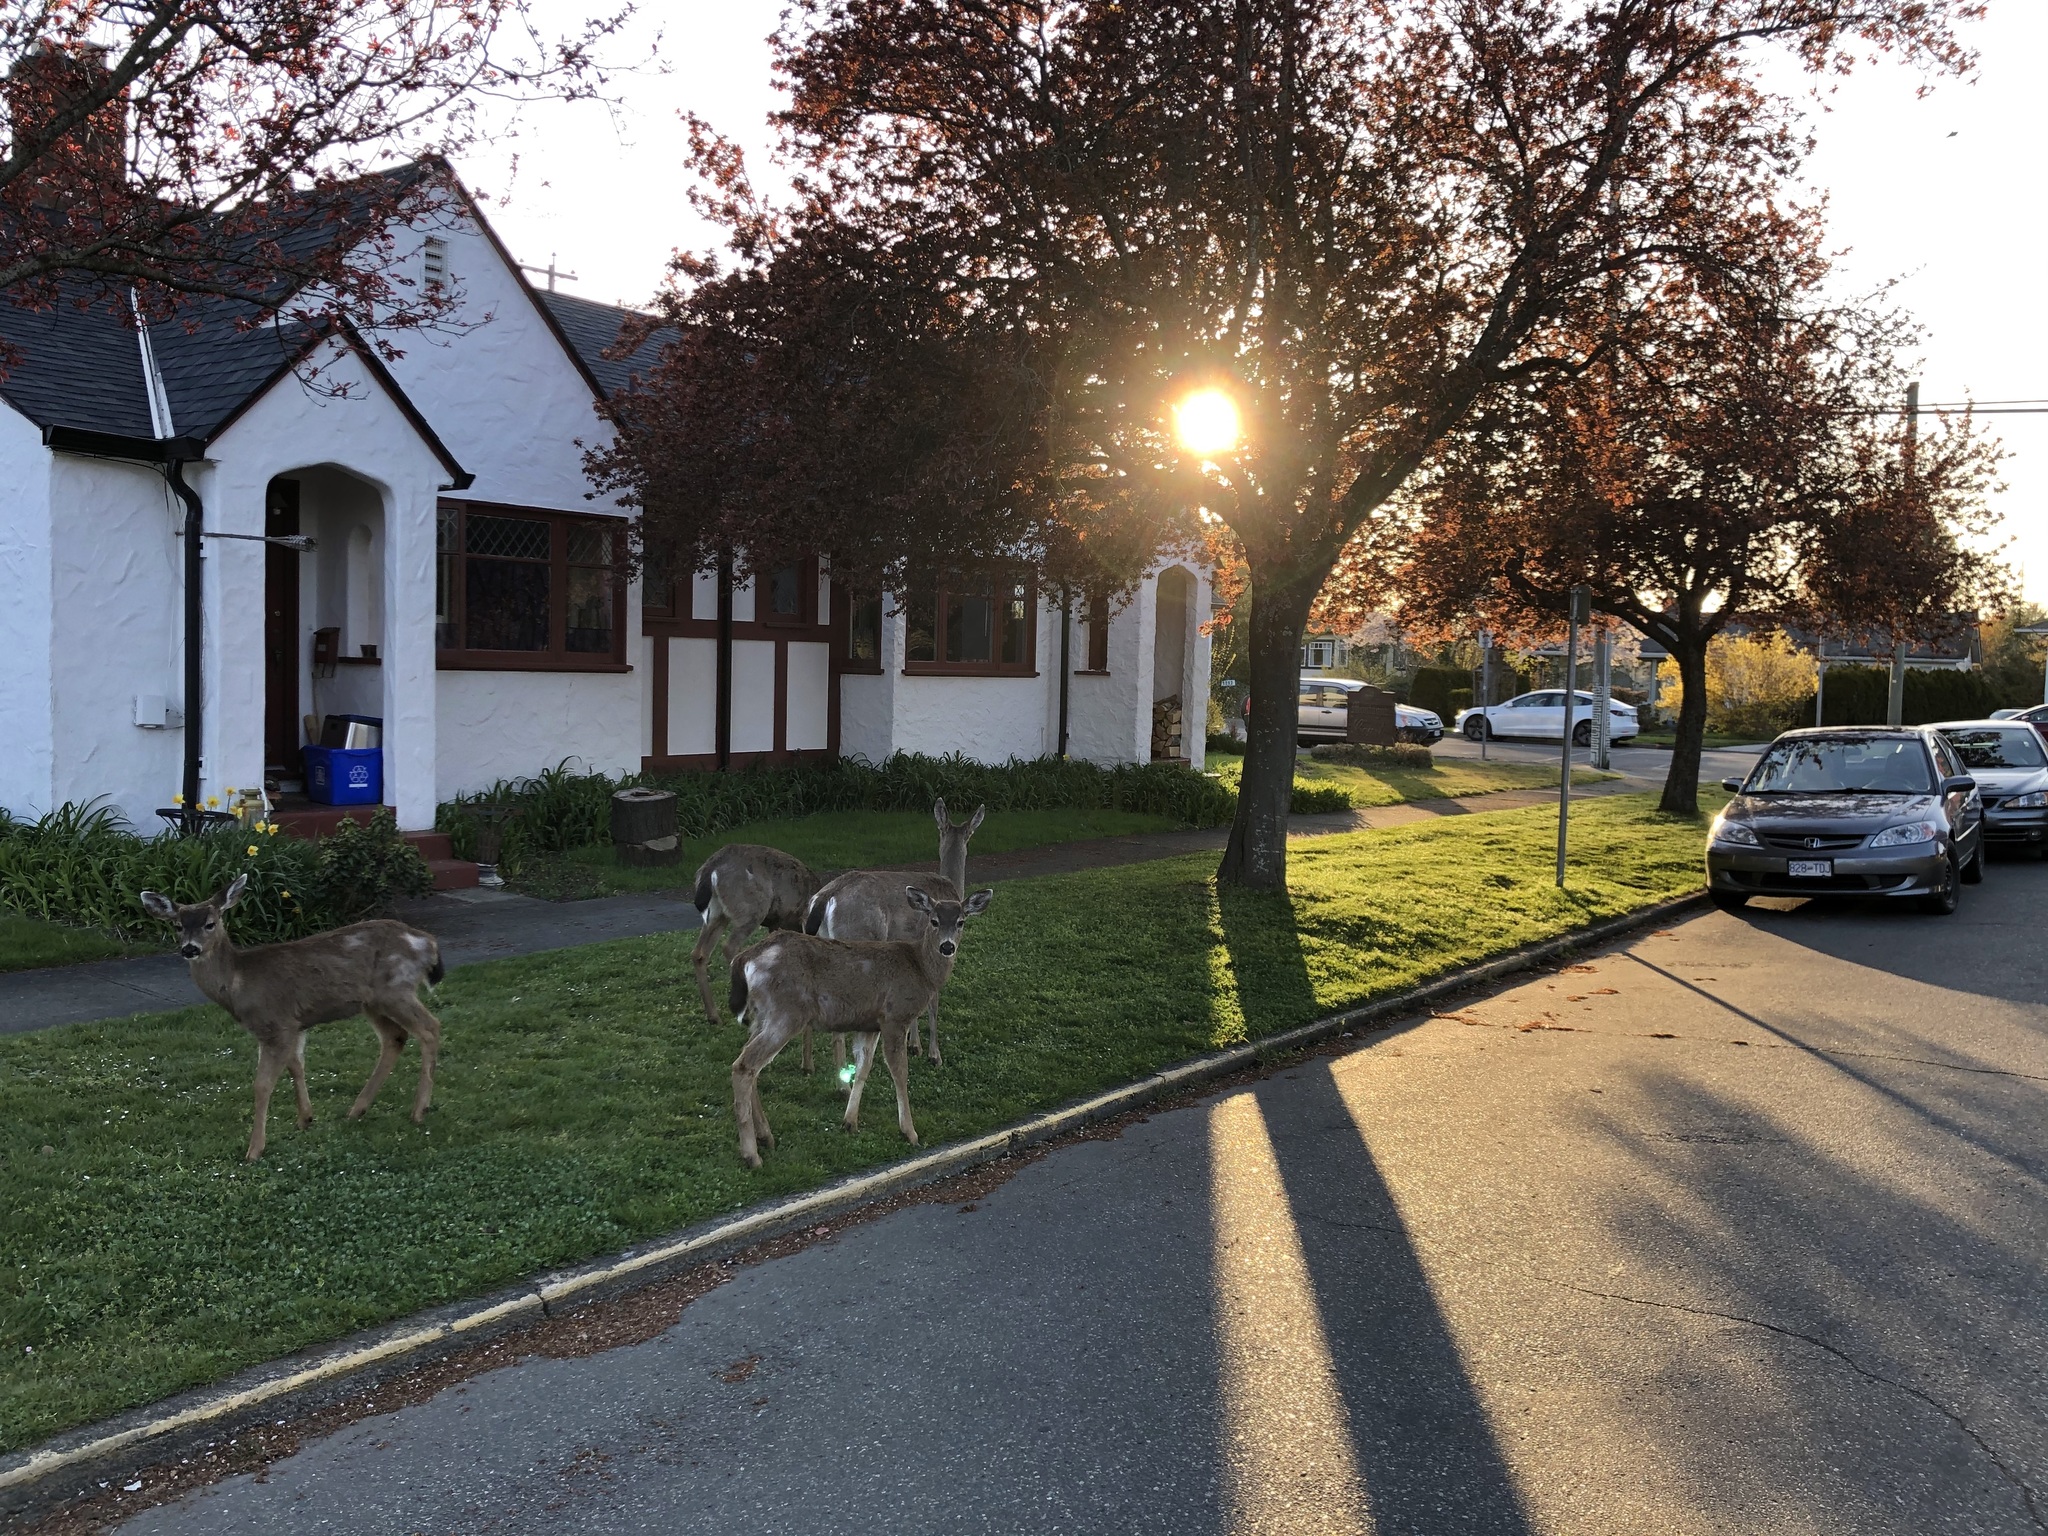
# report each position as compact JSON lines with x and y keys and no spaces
{"x":1810,"y":869}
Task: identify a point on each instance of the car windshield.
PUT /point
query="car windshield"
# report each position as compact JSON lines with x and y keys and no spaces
{"x":1885,"y":765}
{"x":1991,"y":747}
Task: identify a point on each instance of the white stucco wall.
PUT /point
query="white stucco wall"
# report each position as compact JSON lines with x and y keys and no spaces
{"x":807,"y":726}
{"x":692,"y":696}
{"x":498,"y":387}
{"x":510,"y":725}
{"x":753,"y":695}
{"x":117,"y":631}
{"x":1105,"y":723}
{"x":27,"y":744}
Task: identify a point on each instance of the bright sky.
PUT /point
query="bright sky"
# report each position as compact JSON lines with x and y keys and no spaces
{"x":1948,"y":193}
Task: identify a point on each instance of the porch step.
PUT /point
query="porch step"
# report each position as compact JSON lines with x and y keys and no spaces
{"x":318,"y":821}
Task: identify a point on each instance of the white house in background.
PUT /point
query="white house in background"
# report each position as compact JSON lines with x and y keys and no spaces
{"x":462,"y":586}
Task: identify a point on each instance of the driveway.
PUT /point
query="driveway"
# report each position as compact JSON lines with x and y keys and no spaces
{"x":1736,"y":1228}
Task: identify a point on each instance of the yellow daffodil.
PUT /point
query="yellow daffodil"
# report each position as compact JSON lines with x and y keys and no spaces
{"x":252,"y":850}
{"x":270,"y":828}
{"x":212,"y":801}
{"x":178,"y":798}
{"x":287,"y":895}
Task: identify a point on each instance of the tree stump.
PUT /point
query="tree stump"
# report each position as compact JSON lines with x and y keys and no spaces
{"x":644,"y":826}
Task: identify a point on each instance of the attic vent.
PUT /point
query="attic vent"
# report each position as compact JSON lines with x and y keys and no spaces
{"x":436,"y":262}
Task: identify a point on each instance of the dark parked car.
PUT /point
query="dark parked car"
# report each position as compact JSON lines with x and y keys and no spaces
{"x":2010,"y":765}
{"x":1884,"y":813}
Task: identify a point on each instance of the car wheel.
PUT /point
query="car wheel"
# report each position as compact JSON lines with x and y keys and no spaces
{"x":1973,"y":872}
{"x":1729,"y":901}
{"x":1582,"y":734}
{"x":1477,"y":729}
{"x":1944,"y":901}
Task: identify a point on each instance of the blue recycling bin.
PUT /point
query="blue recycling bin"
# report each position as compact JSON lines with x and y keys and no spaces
{"x":343,"y":776}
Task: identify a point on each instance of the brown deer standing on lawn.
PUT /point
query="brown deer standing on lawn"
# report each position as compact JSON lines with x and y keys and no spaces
{"x":870,"y":904}
{"x":279,"y":991}
{"x":792,"y":983}
{"x":742,"y":887}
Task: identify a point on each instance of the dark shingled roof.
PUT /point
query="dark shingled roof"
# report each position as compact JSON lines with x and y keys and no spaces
{"x":75,"y":368}
{"x":593,"y":329}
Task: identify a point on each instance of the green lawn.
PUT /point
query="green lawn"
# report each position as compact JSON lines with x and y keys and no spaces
{"x":1393,"y":786}
{"x":583,"y":1104}
{"x":27,"y":942}
{"x":830,"y":840}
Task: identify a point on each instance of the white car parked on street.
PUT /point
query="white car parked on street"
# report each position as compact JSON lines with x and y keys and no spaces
{"x":1324,"y":711}
{"x":1541,"y":715}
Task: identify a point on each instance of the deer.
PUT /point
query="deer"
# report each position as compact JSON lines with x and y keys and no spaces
{"x":278,"y":992}
{"x":792,"y":983}
{"x":869,"y":904}
{"x":742,"y":887}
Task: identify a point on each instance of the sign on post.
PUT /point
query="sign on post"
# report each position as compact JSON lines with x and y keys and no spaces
{"x":1581,"y":611}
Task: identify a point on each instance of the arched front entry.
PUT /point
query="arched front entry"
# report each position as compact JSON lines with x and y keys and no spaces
{"x":323,"y":612}
{"x":1172,"y":717}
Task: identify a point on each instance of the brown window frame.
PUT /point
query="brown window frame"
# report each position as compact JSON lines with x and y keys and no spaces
{"x":845,"y":605}
{"x":1025,"y":666}
{"x":1095,"y":626}
{"x":557,"y":657}
{"x":806,"y":615}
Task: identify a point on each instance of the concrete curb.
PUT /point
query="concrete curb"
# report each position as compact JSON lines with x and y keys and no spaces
{"x":68,"y":1463}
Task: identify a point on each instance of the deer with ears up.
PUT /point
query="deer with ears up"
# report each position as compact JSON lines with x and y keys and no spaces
{"x":871,"y":904}
{"x":742,"y":887}
{"x":279,"y":991}
{"x":792,"y":983}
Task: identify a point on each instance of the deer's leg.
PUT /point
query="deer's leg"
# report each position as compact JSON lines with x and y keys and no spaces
{"x":864,"y":1055}
{"x":427,"y":1030}
{"x":807,"y":1060}
{"x":392,"y":1037}
{"x":937,"y":1059}
{"x":898,"y":1051}
{"x":296,"y":1065}
{"x":838,"y":1052}
{"x":270,"y":1066}
{"x":715,"y":925}
{"x":760,"y":1049}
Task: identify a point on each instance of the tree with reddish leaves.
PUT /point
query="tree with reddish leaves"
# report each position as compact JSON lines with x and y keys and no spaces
{"x":161,"y":150}
{"x":1730,"y":456}
{"x":1362,"y":219}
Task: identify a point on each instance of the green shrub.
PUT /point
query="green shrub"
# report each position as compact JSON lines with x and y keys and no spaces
{"x":1403,"y":754}
{"x":562,"y":809}
{"x":1318,"y":799}
{"x":83,"y":864}
{"x":1432,"y":688}
{"x":1227,"y":744}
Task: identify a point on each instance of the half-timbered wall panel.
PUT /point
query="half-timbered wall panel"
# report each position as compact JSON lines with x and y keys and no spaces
{"x":692,"y":696}
{"x":753,"y":696}
{"x":810,"y":697}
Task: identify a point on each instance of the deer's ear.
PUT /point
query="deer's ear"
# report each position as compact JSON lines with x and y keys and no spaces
{"x":157,"y":905}
{"x":939,"y":814}
{"x":918,"y":898}
{"x":977,"y":904}
{"x":233,"y":893}
{"x":974,"y":821}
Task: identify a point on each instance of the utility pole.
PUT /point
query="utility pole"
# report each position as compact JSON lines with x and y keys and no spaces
{"x":1895,"y":703}
{"x":1580,"y":610}
{"x":1603,"y":692}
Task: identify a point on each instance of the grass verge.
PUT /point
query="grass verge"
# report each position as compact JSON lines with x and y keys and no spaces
{"x":1393,"y":786}
{"x":828,"y":840}
{"x":28,"y":942}
{"x":583,"y":1103}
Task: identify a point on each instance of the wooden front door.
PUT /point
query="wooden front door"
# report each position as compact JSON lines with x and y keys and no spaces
{"x":283,"y":735}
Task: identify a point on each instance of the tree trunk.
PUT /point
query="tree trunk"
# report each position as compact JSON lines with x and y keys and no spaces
{"x":1256,"y":856}
{"x":1682,"y":786}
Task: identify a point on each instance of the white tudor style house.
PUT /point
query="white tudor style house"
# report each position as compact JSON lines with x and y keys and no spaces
{"x":461,"y":587}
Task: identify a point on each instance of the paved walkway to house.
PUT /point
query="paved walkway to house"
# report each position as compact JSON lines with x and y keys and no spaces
{"x":478,"y":925}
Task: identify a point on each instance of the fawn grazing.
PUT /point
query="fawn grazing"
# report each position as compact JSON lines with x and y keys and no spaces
{"x":792,"y":983}
{"x":742,"y":887}
{"x":279,"y":991}
{"x":870,"y":904}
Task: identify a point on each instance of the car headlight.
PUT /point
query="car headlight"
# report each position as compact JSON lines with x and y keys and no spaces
{"x":2034,"y":800}
{"x":1906,"y":834}
{"x":1734,"y":832}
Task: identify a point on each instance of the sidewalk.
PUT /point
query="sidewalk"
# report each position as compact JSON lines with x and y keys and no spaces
{"x":481,"y":924}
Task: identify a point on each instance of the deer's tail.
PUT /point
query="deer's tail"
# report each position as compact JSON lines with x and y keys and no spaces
{"x":701,"y":897}
{"x":814,"y":913}
{"x":738,"y":997}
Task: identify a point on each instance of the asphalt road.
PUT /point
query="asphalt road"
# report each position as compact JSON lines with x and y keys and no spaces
{"x":1737,"y":1229}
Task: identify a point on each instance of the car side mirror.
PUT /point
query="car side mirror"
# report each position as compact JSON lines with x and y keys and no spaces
{"x":1960,"y":784}
{"x":1733,"y":786}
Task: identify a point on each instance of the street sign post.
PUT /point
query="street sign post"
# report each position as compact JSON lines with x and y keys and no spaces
{"x":1581,"y":611}
{"x":1485,"y":689}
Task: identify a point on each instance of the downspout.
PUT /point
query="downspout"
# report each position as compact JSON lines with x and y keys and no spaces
{"x":174,"y":474}
{"x":723,"y":725}
{"x":1066,"y":671}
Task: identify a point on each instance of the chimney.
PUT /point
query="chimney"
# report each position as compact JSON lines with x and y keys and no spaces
{"x":92,"y":158}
